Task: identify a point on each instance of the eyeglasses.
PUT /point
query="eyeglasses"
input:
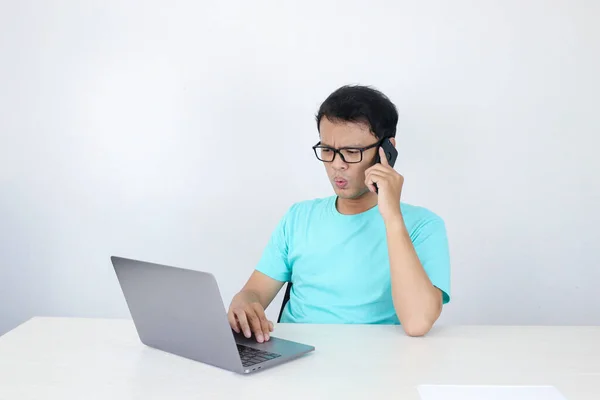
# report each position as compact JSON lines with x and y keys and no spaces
{"x":350,"y":155}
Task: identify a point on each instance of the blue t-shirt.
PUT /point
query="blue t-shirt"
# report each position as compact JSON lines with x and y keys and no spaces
{"x":339,"y":264}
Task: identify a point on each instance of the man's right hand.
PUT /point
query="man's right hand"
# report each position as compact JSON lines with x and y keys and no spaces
{"x":247,"y":315}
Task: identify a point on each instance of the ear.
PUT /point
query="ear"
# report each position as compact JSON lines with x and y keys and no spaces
{"x":393,"y":141}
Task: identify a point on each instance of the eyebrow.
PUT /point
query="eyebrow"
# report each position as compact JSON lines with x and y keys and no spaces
{"x":343,"y":147}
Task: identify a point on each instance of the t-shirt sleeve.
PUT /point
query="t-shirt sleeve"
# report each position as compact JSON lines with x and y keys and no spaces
{"x":431,"y":245}
{"x":274,"y":260}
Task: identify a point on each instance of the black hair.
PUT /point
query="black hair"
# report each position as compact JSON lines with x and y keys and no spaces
{"x":361,"y":104}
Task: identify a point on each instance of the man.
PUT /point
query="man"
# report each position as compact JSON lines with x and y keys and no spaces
{"x":360,"y":256}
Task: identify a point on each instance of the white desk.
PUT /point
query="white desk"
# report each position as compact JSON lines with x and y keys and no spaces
{"x":62,"y":358}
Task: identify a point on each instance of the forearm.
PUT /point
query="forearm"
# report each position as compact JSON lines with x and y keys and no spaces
{"x":249,"y":295}
{"x":417,"y":302}
{"x":260,"y":288}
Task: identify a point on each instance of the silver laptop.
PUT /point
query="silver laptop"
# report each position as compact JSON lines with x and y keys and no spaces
{"x":181,"y":311}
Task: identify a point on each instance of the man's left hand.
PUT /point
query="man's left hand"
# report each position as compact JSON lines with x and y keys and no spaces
{"x":389,"y":185}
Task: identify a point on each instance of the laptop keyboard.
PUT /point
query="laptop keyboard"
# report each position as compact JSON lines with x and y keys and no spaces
{"x":251,"y":356}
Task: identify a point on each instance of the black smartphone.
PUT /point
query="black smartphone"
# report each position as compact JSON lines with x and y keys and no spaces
{"x":390,"y":152}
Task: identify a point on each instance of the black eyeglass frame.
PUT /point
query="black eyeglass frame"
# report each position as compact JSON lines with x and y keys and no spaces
{"x":339,"y":151}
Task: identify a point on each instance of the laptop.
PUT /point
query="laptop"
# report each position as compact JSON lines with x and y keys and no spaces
{"x":180,"y":311}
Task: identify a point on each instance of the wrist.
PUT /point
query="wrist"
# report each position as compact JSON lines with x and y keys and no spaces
{"x":248,"y":296}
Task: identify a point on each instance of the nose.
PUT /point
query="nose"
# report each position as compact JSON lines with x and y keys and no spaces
{"x":338,"y":163}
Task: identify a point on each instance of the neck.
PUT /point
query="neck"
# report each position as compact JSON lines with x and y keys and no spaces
{"x":357,"y":205}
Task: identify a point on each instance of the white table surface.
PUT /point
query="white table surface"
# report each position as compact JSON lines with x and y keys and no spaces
{"x":73,"y":358}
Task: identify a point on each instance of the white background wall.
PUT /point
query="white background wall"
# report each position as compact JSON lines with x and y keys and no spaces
{"x":179,"y":132}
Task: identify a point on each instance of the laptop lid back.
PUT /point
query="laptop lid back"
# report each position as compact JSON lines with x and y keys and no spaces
{"x":179,"y":311}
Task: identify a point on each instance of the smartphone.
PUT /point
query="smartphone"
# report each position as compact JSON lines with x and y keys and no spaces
{"x":391,"y":154}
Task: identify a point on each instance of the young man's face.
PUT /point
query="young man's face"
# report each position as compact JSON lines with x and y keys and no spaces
{"x":348,"y":179}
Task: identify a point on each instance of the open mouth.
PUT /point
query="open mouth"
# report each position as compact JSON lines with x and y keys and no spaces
{"x":340,"y":183}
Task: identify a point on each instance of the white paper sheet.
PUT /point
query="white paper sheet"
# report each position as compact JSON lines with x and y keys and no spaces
{"x":467,"y":392}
